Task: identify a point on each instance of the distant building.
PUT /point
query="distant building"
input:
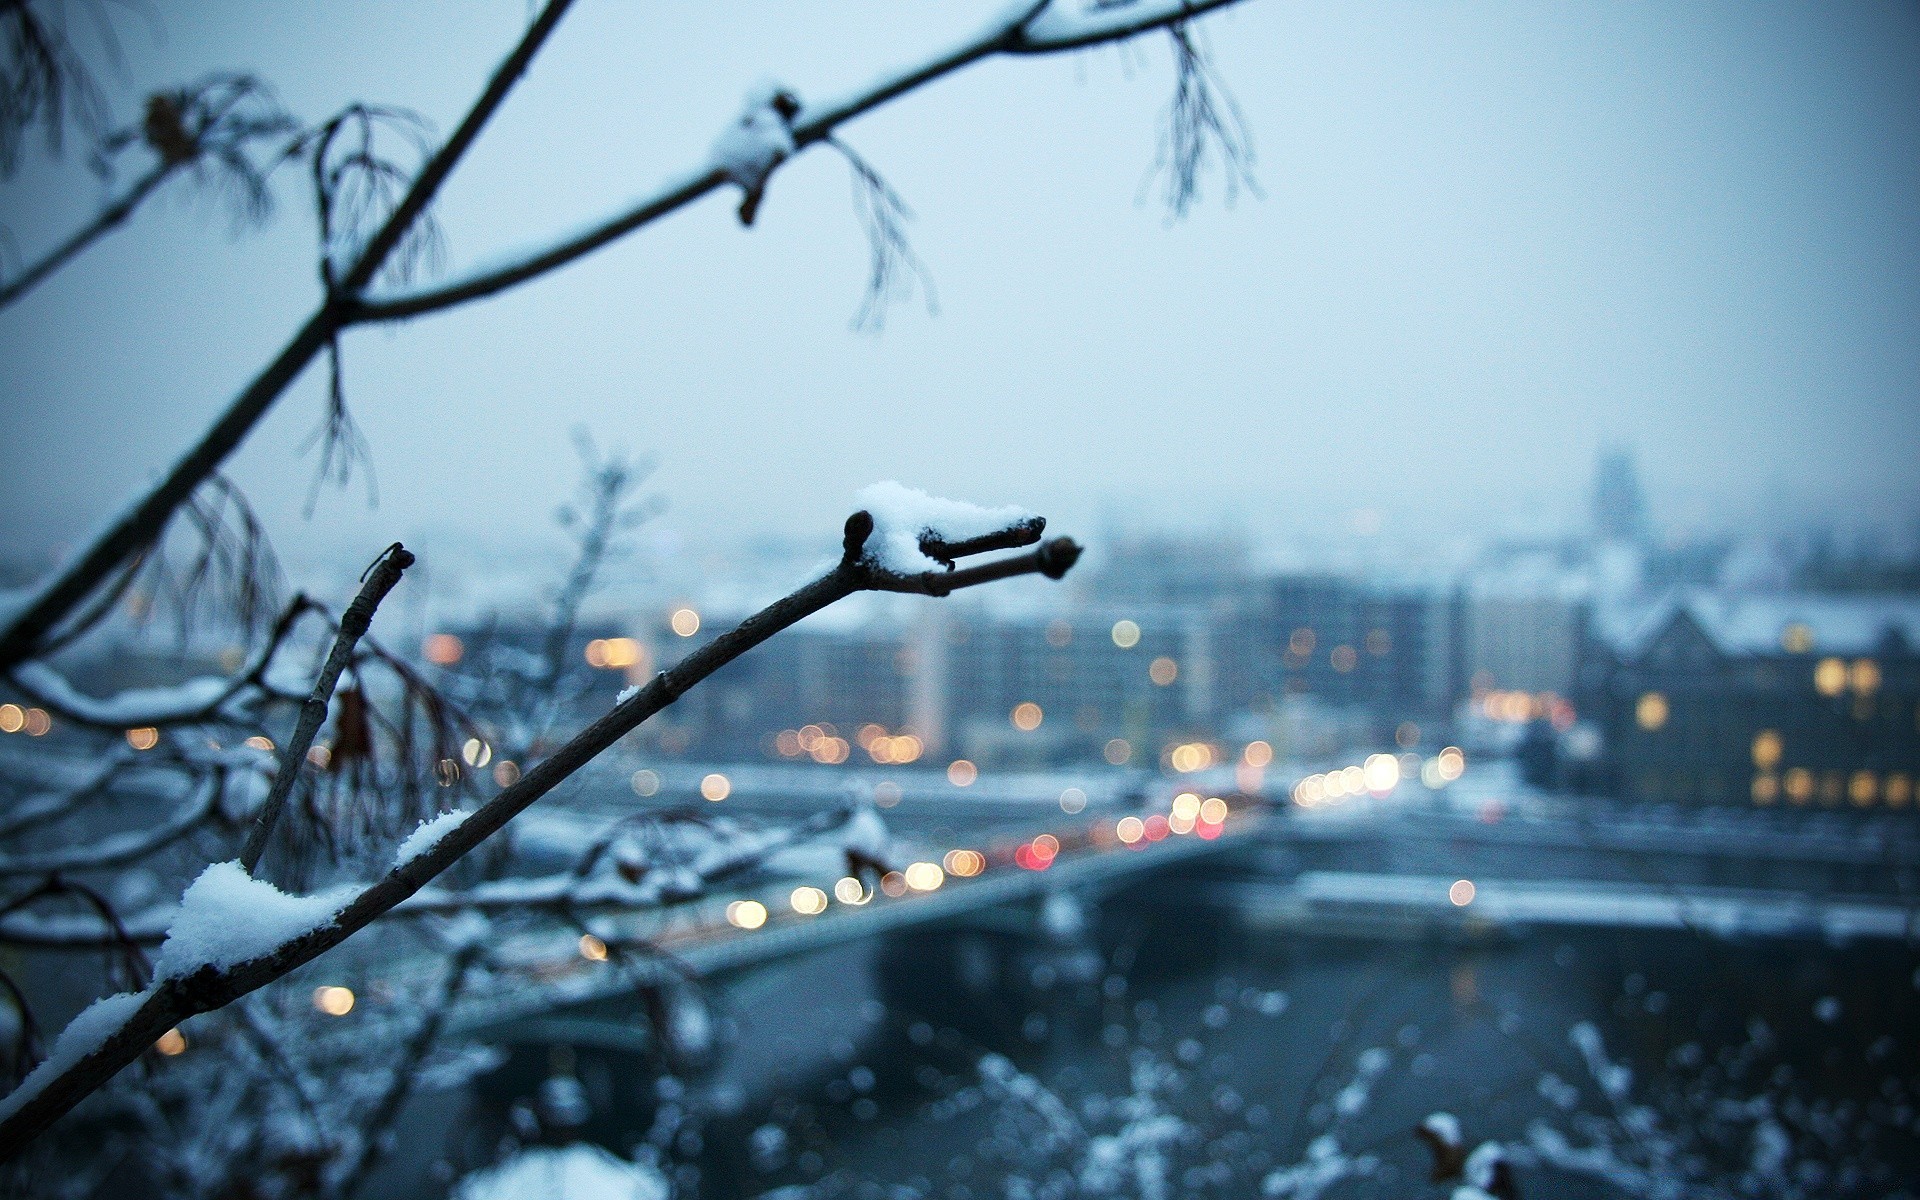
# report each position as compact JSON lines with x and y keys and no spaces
{"x":1523,"y":629}
{"x":1796,"y":699}
{"x":1619,"y":506}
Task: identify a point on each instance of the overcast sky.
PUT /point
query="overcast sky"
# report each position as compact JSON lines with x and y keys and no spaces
{"x":1493,"y":238}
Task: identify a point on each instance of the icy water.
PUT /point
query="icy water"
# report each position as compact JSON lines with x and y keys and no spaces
{"x":1181,"y":1053}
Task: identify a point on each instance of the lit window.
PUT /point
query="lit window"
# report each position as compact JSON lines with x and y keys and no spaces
{"x":1799,"y":785}
{"x":1651,"y":712}
{"x":1257,"y":754}
{"x":1118,"y":751}
{"x":1461,"y":893}
{"x":1796,"y":638}
{"x":1864,"y":676}
{"x":685,"y":622}
{"x":1830,"y":677}
{"x":1766,"y":789}
{"x":1766,"y":749}
{"x":1899,"y":789}
{"x":1300,"y":642}
{"x":146,"y":737}
{"x":716,"y":787}
{"x":1863,"y":789}
{"x":333,"y":1001}
{"x":1126,"y":634}
{"x":961,"y":773}
{"x":443,"y":650}
{"x":592,"y":948}
{"x":1163,"y":671}
{"x":1027,"y":716}
{"x":645,"y":782}
{"x":1343,"y":658}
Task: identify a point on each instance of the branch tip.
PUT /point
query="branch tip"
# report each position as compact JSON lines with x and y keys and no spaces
{"x":859,"y":528}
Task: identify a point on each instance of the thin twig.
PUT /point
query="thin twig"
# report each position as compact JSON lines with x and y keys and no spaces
{"x":380,"y":579}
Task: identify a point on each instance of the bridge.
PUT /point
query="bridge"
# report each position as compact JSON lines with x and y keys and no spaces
{"x":1393,"y":869}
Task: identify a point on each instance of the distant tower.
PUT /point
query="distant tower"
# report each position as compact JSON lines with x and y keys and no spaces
{"x":1619,"y":507}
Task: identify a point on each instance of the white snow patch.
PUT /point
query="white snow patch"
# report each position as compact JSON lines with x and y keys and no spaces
{"x":576,"y":1172}
{"x":1324,"y":1165}
{"x":902,"y":515}
{"x":83,"y":1035}
{"x":135,"y":706}
{"x":626,"y":694}
{"x":227,"y":917}
{"x":1443,"y":1125}
{"x":749,"y":149}
{"x":423,"y":838}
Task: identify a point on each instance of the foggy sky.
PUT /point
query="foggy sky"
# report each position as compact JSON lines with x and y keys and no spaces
{"x":1493,"y":239}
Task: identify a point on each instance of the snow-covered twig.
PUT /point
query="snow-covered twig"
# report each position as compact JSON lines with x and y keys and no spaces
{"x":269,"y":934}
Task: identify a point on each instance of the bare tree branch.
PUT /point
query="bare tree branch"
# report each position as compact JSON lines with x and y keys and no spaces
{"x":119,"y":1029}
{"x":1036,"y":29}
{"x":142,"y":523}
{"x":207,"y":130}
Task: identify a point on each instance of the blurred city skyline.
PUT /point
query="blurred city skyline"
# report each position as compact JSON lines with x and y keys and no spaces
{"x":1492,"y":244}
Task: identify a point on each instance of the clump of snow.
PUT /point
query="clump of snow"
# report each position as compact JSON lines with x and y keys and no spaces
{"x":865,"y":834}
{"x":1443,"y":1125}
{"x":82,"y":1036}
{"x":1063,"y":916}
{"x":1614,"y":1079}
{"x":1480,"y":1165}
{"x":576,"y":1172}
{"x":227,"y":917}
{"x":424,"y":837}
{"x":626,"y":694}
{"x":749,"y":149}
{"x":903,"y":515}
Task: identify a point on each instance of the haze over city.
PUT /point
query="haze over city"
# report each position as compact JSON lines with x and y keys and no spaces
{"x":1491,"y":242}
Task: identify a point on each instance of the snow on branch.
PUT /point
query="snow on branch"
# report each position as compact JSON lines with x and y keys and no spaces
{"x":236,"y":934}
{"x":228,"y":917}
{"x":204,"y":699}
{"x":915,"y":532}
{"x":748,"y":150}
